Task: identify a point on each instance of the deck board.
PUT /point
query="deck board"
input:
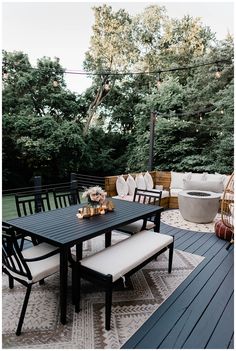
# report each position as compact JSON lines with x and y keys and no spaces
{"x":210,"y":317}
{"x":200,"y":310}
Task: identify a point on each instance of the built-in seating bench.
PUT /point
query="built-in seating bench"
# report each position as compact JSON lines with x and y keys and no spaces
{"x":171,"y":183}
{"x":109,"y":266}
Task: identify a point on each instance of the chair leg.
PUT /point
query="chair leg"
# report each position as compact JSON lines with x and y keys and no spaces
{"x":11,"y":282}
{"x":76,"y":284}
{"x":108,"y":303}
{"x":23,"y":310}
{"x":171,"y":249}
{"x":22,"y":243}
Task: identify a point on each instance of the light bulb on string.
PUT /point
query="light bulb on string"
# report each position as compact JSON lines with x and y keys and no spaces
{"x":159,"y":80}
{"x":5,"y":75}
{"x":218,"y":73}
{"x":222,"y":112}
{"x":107,"y":85}
{"x":55,"y":83}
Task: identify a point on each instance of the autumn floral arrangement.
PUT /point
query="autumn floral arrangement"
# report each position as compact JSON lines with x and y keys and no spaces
{"x":96,"y":196}
{"x":97,"y":203}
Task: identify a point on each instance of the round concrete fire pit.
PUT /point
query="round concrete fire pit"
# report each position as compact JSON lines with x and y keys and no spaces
{"x":198,"y":206}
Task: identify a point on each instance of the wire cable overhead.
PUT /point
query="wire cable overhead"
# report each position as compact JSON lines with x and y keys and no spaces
{"x":78,"y":72}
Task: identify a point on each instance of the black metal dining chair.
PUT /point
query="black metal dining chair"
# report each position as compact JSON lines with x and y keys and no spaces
{"x":27,"y":266}
{"x":66,"y":196}
{"x":149,"y":197}
{"x":28,"y":203}
{"x":32,"y":202}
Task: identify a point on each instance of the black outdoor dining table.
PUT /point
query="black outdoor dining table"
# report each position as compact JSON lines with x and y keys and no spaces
{"x":62,"y":228}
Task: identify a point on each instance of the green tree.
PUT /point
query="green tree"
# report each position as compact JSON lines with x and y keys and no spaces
{"x":40,"y":90}
{"x":111,"y":50}
{"x":39,"y":131}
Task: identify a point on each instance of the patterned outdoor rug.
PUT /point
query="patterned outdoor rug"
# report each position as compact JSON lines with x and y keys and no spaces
{"x":174,"y":219}
{"x":132,"y":306}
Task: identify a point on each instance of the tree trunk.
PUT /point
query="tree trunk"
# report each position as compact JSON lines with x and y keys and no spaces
{"x":101,"y":94}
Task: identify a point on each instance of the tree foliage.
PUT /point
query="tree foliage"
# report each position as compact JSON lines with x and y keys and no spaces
{"x":51,"y":131}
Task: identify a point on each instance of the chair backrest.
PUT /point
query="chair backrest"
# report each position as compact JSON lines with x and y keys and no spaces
{"x":65,"y":197}
{"x":29,"y":203}
{"x":13,"y":262}
{"x":147,"y":196}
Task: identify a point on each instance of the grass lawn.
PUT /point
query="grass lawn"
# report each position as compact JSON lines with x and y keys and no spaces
{"x":9,"y":206}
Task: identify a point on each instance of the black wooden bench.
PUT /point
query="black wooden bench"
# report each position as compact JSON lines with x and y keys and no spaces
{"x":107,"y":267}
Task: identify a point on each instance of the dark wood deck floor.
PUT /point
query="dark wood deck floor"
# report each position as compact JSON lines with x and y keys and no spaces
{"x":200,"y":313}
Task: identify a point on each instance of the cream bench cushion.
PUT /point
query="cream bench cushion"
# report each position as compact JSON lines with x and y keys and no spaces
{"x":124,"y":256}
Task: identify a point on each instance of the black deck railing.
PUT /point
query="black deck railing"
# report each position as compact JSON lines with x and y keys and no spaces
{"x":86,"y":181}
{"x":80,"y":181}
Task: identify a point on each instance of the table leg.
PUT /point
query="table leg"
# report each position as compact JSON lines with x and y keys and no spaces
{"x":157,"y":222}
{"x":79,"y":251}
{"x":107,"y":239}
{"x":63,"y":283}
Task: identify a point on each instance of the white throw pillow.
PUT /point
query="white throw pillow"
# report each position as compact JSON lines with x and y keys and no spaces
{"x":121,"y":186}
{"x":225,"y":178}
{"x":215,"y":177}
{"x":176,"y":180}
{"x":195,"y":176}
{"x":131,"y":184}
{"x":140,"y":182}
{"x":216,"y":186}
{"x":149,"y":181}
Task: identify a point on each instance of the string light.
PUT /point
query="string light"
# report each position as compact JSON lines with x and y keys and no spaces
{"x":55,"y":83}
{"x":76,"y":72}
{"x":5,"y":75}
{"x":159,"y":80}
{"x":218,"y":74}
{"x":107,"y":85}
{"x":226,"y":61}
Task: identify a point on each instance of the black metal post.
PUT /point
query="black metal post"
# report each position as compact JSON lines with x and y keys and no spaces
{"x":73,"y":186}
{"x":151,"y":143}
{"x":38,"y":191}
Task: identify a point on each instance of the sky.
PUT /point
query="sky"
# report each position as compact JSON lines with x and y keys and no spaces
{"x":63,"y":29}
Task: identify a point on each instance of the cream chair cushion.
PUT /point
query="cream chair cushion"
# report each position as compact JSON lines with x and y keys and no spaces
{"x":124,"y":197}
{"x":136,"y":226}
{"x":42,"y":268}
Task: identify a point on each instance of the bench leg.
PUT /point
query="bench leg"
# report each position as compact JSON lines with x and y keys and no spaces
{"x":171,"y":250}
{"x":108,"y":303}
